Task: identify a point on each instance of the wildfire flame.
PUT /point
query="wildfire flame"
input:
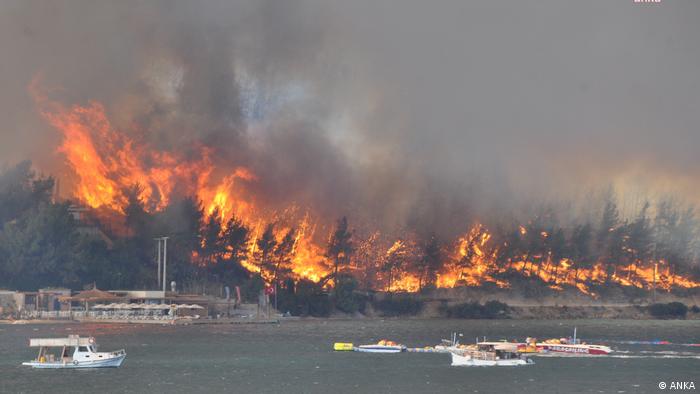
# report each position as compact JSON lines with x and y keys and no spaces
{"x":106,"y":161}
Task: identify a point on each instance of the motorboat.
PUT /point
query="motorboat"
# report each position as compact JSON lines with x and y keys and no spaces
{"x":559,"y":347}
{"x":76,"y":352}
{"x":383,"y":346}
{"x":447,"y":345}
{"x":564,"y":347}
{"x":489,"y":354}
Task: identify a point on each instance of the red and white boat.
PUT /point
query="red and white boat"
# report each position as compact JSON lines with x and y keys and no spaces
{"x":578,"y":349}
{"x":564,"y":347}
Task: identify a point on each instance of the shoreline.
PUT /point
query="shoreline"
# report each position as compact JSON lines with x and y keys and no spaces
{"x":517,"y":312}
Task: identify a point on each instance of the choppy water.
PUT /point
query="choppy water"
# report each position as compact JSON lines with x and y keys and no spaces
{"x":297,"y":357}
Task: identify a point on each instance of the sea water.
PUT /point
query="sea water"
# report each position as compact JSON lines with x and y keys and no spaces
{"x":297,"y":357}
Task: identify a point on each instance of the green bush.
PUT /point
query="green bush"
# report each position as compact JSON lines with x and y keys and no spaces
{"x":668,"y":311}
{"x":250,"y":289}
{"x":346,"y":297}
{"x":474,"y":310}
{"x":695,"y":309}
{"x":286,"y":298}
{"x":397,"y":306}
{"x":304,"y":298}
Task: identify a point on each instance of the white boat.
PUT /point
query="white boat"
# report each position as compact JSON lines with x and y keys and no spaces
{"x":382,"y":346}
{"x":487,"y":355}
{"x":447,"y":345}
{"x":76,"y":352}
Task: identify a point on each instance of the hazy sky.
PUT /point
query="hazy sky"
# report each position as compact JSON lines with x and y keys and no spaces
{"x":412,"y":111}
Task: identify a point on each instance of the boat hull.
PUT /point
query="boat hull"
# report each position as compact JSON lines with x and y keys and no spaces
{"x":468,"y":361}
{"x":379,"y":349}
{"x":573,"y":350}
{"x":113,"y":362}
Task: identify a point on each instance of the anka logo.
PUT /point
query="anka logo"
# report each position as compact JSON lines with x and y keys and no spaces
{"x":677,"y":385}
{"x":647,"y":1}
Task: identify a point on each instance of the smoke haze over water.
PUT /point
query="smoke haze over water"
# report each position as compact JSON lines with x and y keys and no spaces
{"x":401,"y":114}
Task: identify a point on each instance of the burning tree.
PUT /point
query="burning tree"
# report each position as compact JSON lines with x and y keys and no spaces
{"x":265,"y":252}
{"x":283,"y":256}
{"x":340,"y":247}
{"x":429,"y":263}
{"x":396,"y":261}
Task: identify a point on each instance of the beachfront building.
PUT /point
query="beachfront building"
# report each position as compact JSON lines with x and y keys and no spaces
{"x":158,"y":297}
{"x":10,"y":302}
{"x":62,"y":304}
{"x":49,"y":299}
{"x":84,"y":299}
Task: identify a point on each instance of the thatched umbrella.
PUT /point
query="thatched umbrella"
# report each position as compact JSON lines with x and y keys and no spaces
{"x":93,"y":295}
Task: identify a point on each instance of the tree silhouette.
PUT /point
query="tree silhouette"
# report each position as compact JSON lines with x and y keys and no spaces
{"x":340,"y":247}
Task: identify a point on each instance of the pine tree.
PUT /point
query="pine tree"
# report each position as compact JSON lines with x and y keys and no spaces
{"x":429,"y":262}
{"x":609,"y":238}
{"x":266,"y":245}
{"x":283,"y":256}
{"x":340,"y":247}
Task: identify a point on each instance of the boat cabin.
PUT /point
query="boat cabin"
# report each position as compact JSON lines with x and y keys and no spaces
{"x":73,"y":348}
{"x":498,"y":350}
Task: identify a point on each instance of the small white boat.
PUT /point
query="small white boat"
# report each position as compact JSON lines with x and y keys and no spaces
{"x":487,"y":355}
{"x":382,"y":346}
{"x":448,"y":345}
{"x":76,"y":352}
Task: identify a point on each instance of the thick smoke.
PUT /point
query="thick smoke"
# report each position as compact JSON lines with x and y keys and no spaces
{"x":411,"y":114}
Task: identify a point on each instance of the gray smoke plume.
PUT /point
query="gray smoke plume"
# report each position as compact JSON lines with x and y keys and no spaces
{"x":401,"y":114}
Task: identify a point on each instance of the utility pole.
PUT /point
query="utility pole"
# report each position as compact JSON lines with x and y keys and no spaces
{"x":165,"y":261}
{"x":158,"y":282}
{"x":164,"y":282}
